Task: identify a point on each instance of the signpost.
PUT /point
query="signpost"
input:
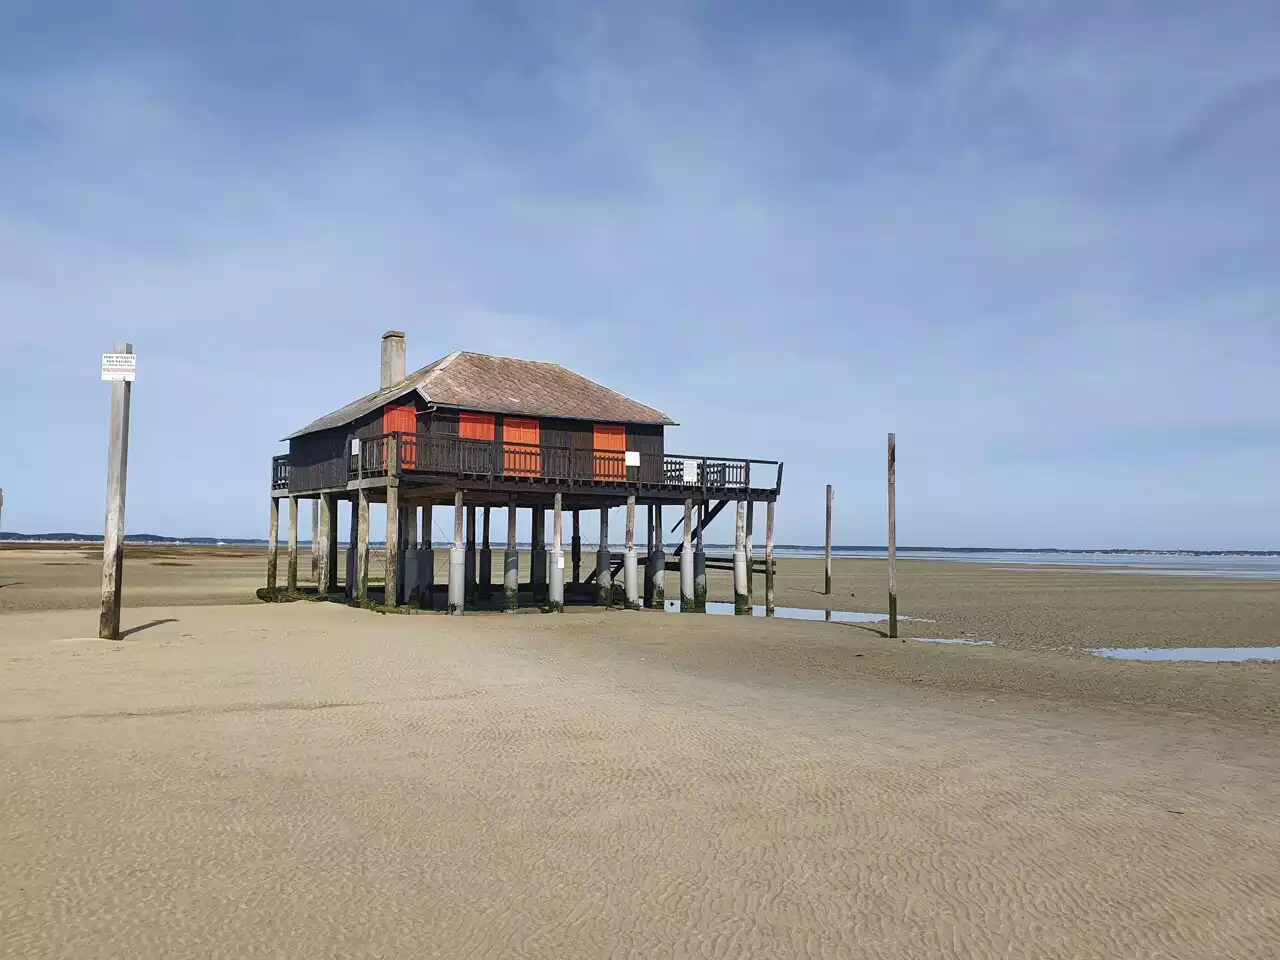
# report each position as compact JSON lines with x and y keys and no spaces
{"x":119,"y":368}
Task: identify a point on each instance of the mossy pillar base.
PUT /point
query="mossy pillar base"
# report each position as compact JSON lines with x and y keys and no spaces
{"x":510,"y":579}
{"x":457,"y":580}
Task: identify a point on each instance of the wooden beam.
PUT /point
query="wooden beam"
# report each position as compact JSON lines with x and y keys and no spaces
{"x":362,"y":546}
{"x":273,"y":547}
{"x":292,"y":580}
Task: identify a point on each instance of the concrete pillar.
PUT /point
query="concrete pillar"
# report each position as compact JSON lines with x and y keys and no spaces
{"x":630,"y":575}
{"x":741,"y":600}
{"x":538,"y":554}
{"x":324,"y":544}
{"x":457,"y":560}
{"x":576,"y":548}
{"x":555,"y":591}
{"x":687,"y":601}
{"x":273,"y":542}
{"x":486,"y":559}
{"x":604,"y":563}
{"x":426,"y":561}
{"x":471,"y":553}
{"x":511,"y":562}
{"x":362,"y":547}
{"x":291,"y":580}
{"x":700,"y":564}
{"x":768,"y":559}
{"x":391,"y":590}
{"x":659,"y":561}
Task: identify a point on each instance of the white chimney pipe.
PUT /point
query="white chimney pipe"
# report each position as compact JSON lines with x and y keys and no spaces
{"x":393,"y":357}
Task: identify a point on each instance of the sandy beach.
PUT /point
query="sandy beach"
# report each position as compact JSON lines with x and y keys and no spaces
{"x":312,"y":779}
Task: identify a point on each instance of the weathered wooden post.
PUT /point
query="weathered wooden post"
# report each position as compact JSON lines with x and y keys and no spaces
{"x":118,"y":368}
{"x":659,"y":560}
{"x":555,"y":593}
{"x":893,"y":538}
{"x":700,"y":563}
{"x":353,"y":537}
{"x":649,"y":566}
{"x":471,"y":553}
{"x":511,"y":561}
{"x":486,"y":557}
{"x":831,"y":496}
{"x":575,"y":547}
{"x":630,"y":573}
{"x":315,"y":540}
{"x":292,"y":576}
{"x":538,"y":553}
{"x":768,"y":559}
{"x":751,"y":556}
{"x":409,"y":550}
{"x":273,"y":547}
{"x":362,"y":548}
{"x":604,"y":563}
{"x":391,"y":581}
{"x":687,"y":601}
{"x":323,"y":544}
{"x":427,"y":560}
{"x":458,"y":560}
{"x":741,"y":599}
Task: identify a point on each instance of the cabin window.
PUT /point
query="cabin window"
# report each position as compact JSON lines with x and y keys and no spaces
{"x":521,"y":447}
{"x":610,"y":451}
{"x":476,"y":426}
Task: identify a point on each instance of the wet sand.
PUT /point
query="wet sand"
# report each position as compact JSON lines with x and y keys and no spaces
{"x":314,"y":780}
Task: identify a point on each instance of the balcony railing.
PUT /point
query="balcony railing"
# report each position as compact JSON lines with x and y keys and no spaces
{"x":280,"y":472}
{"x":402,"y":454}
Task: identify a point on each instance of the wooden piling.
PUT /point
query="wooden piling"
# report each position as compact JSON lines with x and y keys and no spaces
{"x":485,"y":572}
{"x":362,"y":547}
{"x":273,"y":550}
{"x":768,"y":558}
{"x":831,"y":496}
{"x":575,"y":547}
{"x":457,"y":560}
{"x":511,"y":561}
{"x":687,"y":602}
{"x":326,"y":558}
{"x":659,"y":561}
{"x":750,"y":550}
{"x":893,"y":538}
{"x":391,"y":590}
{"x":604,"y":561}
{"x":292,"y":576}
{"x":471,"y":553}
{"x":315,"y":540}
{"x":741,"y":600}
{"x":113,"y":534}
{"x":630,"y":578}
{"x":555,"y":586}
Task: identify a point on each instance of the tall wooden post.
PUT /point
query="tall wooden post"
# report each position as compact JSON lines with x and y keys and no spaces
{"x":457,"y":560}
{"x":326,"y":556}
{"x":893,"y":538}
{"x":113,"y":536}
{"x":292,"y":580}
{"x":831,"y":496}
{"x":391,"y":590}
{"x":751,"y":557}
{"x":659,"y":560}
{"x":315,"y":540}
{"x":687,"y":602}
{"x":273,"y":547}
{"x":630,"y":578}
{"x":604,"y":561}
{"x":555,"y":591}
{"x":768,"y":558}
{"x":700,"y":563}
{"x":576,"y":547}
{"x":741,"y":599}
{"x":511,"y":561}
{"x":353,"y":542}
{"x":485,"y":573}
{"x":427,"y":559}
{"x":362,"y":546}
{"x":471,"y":553}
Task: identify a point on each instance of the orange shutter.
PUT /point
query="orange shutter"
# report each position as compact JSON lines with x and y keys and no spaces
{"x":522,"y":453}
{"x":610,"y":465}
{"x":476,"y":426}
{"x":402,"y":420}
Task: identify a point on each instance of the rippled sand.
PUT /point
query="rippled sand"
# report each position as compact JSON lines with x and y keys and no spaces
{"x":310,"y":780}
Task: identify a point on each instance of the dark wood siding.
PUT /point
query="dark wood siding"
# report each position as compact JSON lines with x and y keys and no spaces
{"x":318,"y":460}
{"x":648,"y":439}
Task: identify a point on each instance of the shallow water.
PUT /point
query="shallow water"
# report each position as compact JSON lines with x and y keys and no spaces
{"x":1193,"y":654}
{"x":721,"y":608}
{"x":967,"y":643}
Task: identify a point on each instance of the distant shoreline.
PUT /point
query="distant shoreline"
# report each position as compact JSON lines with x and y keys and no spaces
{"x":150,"y":538}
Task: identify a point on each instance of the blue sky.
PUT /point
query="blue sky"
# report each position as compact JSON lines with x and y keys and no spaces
{"x":1037,"y":239}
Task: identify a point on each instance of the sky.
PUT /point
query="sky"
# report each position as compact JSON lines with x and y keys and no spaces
{"x":1038,"y":240}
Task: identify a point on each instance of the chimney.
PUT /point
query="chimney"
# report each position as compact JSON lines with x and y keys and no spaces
{"x":392,"y":358}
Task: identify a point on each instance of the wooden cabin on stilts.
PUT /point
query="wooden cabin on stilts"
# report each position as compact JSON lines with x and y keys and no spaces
{"x":478,"y":432}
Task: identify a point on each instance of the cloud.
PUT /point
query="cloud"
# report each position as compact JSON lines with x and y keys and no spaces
{"x":1036,"y":241}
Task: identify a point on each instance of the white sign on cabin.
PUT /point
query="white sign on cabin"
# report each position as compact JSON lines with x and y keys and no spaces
{"x":119,"y":366}
{"x":690,"y":472}
{"x":633,"y":458}
{"x":355,"y":446}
